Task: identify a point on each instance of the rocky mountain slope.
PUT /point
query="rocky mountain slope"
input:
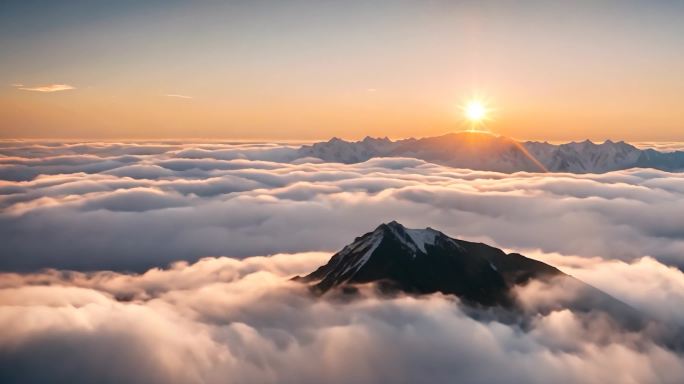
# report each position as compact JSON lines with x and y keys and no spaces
{"x":424,"y":261}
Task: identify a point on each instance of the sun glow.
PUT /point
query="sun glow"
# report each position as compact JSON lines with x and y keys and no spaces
{"x":475,"y":111}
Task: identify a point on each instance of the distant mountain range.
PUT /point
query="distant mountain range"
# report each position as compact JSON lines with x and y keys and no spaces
{"x":484,"y":151}
{"x":423,"y":261}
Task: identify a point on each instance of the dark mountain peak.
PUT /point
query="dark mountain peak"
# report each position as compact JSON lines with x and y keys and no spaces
{"x":416,"y":240}
{"x":424,"y":261}
{"x":427,"y":261}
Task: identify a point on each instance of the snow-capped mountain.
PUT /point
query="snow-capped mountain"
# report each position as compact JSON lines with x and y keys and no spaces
{"x":483,"y":151}
{"x":424,"y":261}
{"x":585,"y":156}
{"x":462,"y":150}
{"x":340,"y":151}
{"x":427,"y":261}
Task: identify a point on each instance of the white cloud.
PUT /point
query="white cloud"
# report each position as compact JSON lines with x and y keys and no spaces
{"x":48,"y":88}
{"x":226,"y":320}
{"x":139,"y":206}
{"x":178,"y":96}
{"x":251,"y":199}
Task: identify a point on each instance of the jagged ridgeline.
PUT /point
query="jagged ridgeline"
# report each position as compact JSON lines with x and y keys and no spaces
{"x":483,"y":151}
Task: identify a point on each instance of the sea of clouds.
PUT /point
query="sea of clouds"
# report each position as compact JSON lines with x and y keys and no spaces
{"x":118,"y":212}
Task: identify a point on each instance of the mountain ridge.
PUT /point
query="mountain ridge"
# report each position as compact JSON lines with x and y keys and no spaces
{"x":394,"y":258}
{"x":489,"y":152}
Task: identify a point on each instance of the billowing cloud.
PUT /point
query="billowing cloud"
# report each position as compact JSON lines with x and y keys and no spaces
{"x":643,"y":283}
{"x":243,"y":321}
{"x":132,"y":206}
{"x":105,"y":208}
{"x":48,"y":88}
{"x":662,"y":146}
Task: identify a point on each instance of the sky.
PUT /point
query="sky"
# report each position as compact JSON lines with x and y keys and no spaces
{"x":305,"y":70}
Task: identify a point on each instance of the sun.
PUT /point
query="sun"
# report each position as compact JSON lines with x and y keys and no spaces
{"x":475,"y":111}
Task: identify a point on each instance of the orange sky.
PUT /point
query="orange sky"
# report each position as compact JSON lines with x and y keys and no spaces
{"x":312,"y":70}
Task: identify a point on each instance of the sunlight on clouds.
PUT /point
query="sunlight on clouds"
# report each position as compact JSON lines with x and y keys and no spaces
{"x":178,"y":96}
{"x":161,"y":208}
{"x":227,"y":320}
{"x":184,"y":201}
{"x":48,"y":88}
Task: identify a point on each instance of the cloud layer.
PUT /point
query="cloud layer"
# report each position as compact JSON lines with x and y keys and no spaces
{"x":139,"y":206}
{"x":227,"y":320}
{"x":130,"y":206}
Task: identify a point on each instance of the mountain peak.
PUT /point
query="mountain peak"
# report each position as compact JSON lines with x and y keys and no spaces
{"x":415,"y":239}
{"x":427,"y":261}
{"x":424,"y":261}
{"x":369,"y":139}
{"x":393,"y":225}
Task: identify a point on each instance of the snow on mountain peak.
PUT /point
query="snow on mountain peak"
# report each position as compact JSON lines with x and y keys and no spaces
{"x":415,"y":239}
{"x":421,"y":237}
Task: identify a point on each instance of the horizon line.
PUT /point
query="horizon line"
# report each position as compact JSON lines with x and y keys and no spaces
{"x":315,"y":140}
